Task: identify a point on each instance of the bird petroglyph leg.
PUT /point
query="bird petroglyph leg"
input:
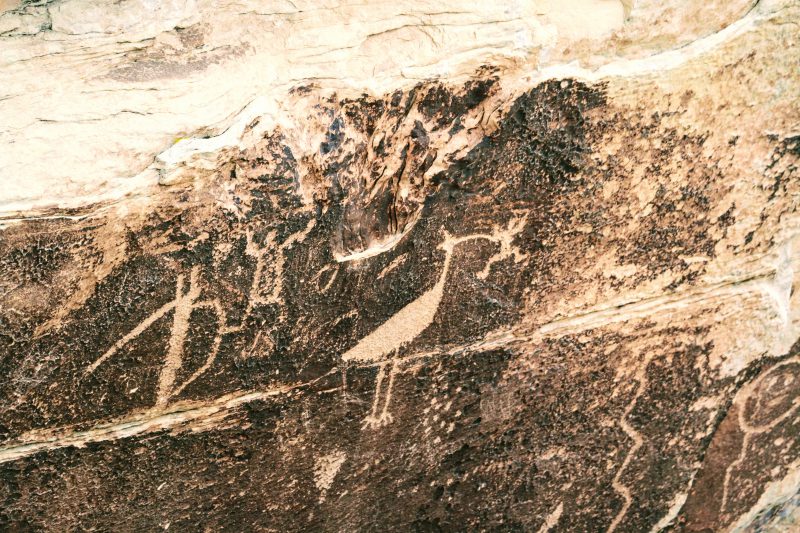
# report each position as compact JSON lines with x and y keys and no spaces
{"x":372,"y":420}
{"x":386,"y":417}
{"x":378,"y":419}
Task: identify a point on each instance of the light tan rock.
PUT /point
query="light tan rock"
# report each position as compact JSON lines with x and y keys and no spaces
{"x":93,"y":92}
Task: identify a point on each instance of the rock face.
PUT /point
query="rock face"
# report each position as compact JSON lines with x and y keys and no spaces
{"x":407,"y":266}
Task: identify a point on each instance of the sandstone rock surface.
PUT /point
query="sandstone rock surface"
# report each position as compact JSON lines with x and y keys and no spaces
{"x":410,"y":265}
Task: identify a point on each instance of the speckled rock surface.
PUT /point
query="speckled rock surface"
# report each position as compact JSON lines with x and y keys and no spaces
{"x":544,"y":284}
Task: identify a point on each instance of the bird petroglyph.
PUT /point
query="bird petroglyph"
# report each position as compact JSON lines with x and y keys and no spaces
{"x":408,"y":323}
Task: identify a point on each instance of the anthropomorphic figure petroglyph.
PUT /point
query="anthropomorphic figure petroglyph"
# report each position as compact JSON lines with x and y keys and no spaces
{"x":760,"y":406}
{"x":406,"y":325}
{"x":185,"y":302}
{"x":182,"y":306}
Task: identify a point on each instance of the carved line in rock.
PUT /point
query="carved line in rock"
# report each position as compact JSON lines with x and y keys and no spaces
{"x":781,"y":492}
{"x":636,"y":437}
{"x":760,"y":281}
{"x":180,"y":414}
{"x":552,"y":519}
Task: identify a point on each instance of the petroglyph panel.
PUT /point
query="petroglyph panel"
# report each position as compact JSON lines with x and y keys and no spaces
{"x":515,"y":275}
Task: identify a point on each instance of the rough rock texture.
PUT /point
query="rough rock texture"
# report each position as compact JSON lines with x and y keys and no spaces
{"x":399,"y":266}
